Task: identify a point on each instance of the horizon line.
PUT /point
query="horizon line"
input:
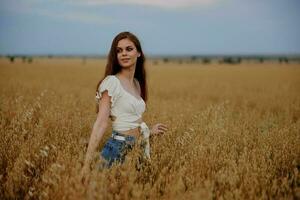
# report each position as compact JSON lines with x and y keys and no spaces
{"x":161,"y":55}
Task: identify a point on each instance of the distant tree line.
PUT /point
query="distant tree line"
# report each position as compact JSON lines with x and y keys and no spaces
{"x":224,"y":59}
{"x":179,"y":60}
{"x":25,"y":59}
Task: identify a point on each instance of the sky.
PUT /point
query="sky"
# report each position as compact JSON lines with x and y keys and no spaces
{"x":164,"y":27}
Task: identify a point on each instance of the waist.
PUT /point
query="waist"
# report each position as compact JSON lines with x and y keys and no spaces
{"x":127,"y":127}
{"x":122,"y":137}
{"x":132,"y":132}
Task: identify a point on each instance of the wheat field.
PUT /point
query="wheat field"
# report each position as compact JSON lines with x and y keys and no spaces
{"x":234,"y":132}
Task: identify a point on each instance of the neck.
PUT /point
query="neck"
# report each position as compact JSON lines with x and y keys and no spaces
{"x":127,"y":74}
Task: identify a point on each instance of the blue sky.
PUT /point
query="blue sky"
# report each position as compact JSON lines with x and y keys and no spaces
{"x":164,"y":27}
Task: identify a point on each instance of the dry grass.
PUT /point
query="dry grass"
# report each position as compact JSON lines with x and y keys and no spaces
{"x":233,"y":132}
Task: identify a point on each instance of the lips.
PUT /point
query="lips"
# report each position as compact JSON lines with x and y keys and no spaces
{"x":125,"y":59}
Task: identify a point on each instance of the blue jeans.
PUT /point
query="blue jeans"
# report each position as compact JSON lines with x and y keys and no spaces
{"x":116,"y":150}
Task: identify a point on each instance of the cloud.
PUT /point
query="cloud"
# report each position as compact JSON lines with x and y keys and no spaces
{"x":166,"y":4}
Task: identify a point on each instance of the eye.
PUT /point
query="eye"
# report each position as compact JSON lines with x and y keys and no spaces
{"x":129,"y":48}
{"x":119,"y":50}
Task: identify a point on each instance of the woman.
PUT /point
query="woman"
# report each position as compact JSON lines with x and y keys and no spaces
{"x":121,"y":96}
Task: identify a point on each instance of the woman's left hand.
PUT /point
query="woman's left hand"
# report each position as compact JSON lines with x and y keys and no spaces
{"x":158,"y":129}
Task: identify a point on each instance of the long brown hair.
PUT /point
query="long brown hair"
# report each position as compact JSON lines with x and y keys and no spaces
{"x":113,"y":67}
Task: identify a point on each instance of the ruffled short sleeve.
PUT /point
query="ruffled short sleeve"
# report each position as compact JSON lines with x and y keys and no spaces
{"x":111,"y":84}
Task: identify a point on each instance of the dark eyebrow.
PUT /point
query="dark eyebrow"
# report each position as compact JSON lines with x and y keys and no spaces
{"x":125,"y":47}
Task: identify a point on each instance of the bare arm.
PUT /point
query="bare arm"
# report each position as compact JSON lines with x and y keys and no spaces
{"x":98,"y":130}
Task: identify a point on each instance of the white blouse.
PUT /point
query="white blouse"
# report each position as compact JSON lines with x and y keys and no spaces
{"x":125,"y":108}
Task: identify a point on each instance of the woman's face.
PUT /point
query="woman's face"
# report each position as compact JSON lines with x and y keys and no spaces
{"x":127,"y":53}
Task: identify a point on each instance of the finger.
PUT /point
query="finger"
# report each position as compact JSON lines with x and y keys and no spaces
{"x":161,"y":132}
{"x":163,"y":128}
{"x":159,"y":124}
{"x":163,"y":125}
